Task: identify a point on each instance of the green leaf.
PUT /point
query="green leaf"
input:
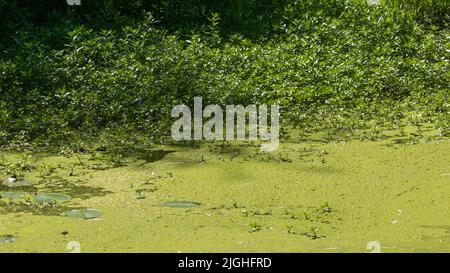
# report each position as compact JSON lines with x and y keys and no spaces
{"x":50,"y":197}
{"x":84,"y":214}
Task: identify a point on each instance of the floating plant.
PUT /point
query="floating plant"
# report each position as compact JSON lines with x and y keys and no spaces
{"x":84,"y":213}
{"x":7,"y":239}
{"x":50,"y":197}
{"x":181,"y":204}
{"x":40,"y":197}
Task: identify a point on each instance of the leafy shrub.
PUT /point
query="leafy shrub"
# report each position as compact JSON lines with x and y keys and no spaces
{"x":68,"y":72}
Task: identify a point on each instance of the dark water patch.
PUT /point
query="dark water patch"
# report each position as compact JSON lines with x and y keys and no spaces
{"x":194,"y":144}
{"x":154,"y":155}
{"x":226,"y":148}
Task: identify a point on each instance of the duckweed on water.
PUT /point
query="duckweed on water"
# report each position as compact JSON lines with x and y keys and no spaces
{"x":302,"y":205}
{"x":13,"y":195}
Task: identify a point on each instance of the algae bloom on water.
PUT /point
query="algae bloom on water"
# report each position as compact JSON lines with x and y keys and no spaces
{"x":13,"y":195}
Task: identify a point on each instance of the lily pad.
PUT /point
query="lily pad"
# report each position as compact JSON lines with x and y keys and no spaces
{"x":84,"y":214}
{"x":7,"y":239}
{"x":181,"y":204}
{"x":13,"y":195}
{"x":18,"y":183}
{"x":44,"y":197}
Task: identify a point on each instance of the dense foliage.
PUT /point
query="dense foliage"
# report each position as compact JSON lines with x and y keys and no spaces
{"x":122,"y":65}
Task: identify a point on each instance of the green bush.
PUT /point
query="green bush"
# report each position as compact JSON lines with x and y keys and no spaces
{"x":123,"y":64}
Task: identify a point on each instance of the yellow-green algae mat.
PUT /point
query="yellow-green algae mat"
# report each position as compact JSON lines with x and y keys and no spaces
{"x":306,"y":197}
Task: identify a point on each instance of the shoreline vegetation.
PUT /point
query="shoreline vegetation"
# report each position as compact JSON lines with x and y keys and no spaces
{"x":118,"y":67}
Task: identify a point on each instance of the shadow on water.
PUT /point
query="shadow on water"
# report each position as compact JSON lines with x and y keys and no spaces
{"x":49,"y":210}
{"x":150,"y":156}
{"x":75,"y":189}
